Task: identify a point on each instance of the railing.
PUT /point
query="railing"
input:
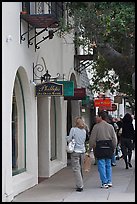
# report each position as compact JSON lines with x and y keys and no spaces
{"x":37,"y":8}
{"x":41,"y":15}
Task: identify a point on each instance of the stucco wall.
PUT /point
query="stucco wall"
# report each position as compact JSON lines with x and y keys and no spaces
{"x":58,"y":54}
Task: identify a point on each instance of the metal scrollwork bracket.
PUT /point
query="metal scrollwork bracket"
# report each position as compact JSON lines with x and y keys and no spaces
{"x":40,"y":73}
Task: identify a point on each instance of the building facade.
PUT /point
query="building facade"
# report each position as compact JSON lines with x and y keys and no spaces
{"x":34,"y":128}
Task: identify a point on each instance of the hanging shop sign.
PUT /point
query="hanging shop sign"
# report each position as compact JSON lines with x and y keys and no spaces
{"x":86,"y":101}
{"x":68,"y":87}
{"x":79,"y":94}
{"x":49,"y":89}
{"x":102,"y":102}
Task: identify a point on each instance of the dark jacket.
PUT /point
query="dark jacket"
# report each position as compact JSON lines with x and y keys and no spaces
{"x":127,"y":127}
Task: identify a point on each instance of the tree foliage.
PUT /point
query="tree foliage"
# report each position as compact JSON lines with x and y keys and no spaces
{"x":109,"y":29}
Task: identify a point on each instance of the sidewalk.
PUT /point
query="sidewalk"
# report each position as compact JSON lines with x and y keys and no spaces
{"x":61,"y":187}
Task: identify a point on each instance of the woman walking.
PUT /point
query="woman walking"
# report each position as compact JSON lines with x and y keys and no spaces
{"x":127,"y":137}
{"x":78,"y":133}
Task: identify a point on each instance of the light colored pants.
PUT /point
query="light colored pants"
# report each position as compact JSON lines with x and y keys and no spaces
{"x":105,"y":170}
{"x":77,"y":161}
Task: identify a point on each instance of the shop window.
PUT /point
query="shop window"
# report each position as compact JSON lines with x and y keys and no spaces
{"x":18,"y":129}
{"x":53,"y":130}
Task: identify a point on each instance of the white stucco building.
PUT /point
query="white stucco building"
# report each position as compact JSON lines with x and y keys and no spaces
{"x":34,"y":128}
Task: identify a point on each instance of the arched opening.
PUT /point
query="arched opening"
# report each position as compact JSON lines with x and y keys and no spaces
{"x":18,"y":128}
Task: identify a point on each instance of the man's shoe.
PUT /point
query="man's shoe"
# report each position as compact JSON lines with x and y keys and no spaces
{"x":79,"y":189}
{"x":104,"y":185}
{"x":109,"y":184}
{"x":113,"y":164}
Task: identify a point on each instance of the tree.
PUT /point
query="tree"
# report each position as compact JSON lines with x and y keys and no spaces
{"x":109,"y":29}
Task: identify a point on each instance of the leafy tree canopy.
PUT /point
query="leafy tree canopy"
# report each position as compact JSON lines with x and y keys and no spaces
{"x":109,"y":29}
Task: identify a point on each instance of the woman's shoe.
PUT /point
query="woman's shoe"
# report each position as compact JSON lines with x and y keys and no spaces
{"x":130,"y":165}
{"x":79,"y":189}
{"x":126,"y":166}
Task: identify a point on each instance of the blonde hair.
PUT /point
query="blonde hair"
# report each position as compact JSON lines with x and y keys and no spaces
{"x":79,"y":122}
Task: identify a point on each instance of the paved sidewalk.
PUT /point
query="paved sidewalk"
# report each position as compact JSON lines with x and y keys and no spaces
{"x":61,"y":187}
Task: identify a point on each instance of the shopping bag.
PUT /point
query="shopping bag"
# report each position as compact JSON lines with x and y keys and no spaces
{"x":70,"y":146}
{"x":87,"y":163}
{"x":119,"y":152}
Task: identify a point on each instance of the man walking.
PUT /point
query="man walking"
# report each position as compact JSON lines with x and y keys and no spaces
{"x":103,"y":138}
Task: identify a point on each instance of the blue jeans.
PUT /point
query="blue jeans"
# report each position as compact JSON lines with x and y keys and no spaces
{"x":105,"y":170}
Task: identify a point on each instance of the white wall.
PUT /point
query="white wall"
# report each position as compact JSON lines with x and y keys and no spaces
{"x":122,"y":108}
{"x":59,"y":57}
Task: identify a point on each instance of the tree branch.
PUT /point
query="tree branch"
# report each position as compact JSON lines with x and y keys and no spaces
{"x":118,"y":62}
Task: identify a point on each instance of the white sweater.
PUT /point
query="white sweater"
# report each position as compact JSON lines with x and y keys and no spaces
{"x":80,"y":136}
